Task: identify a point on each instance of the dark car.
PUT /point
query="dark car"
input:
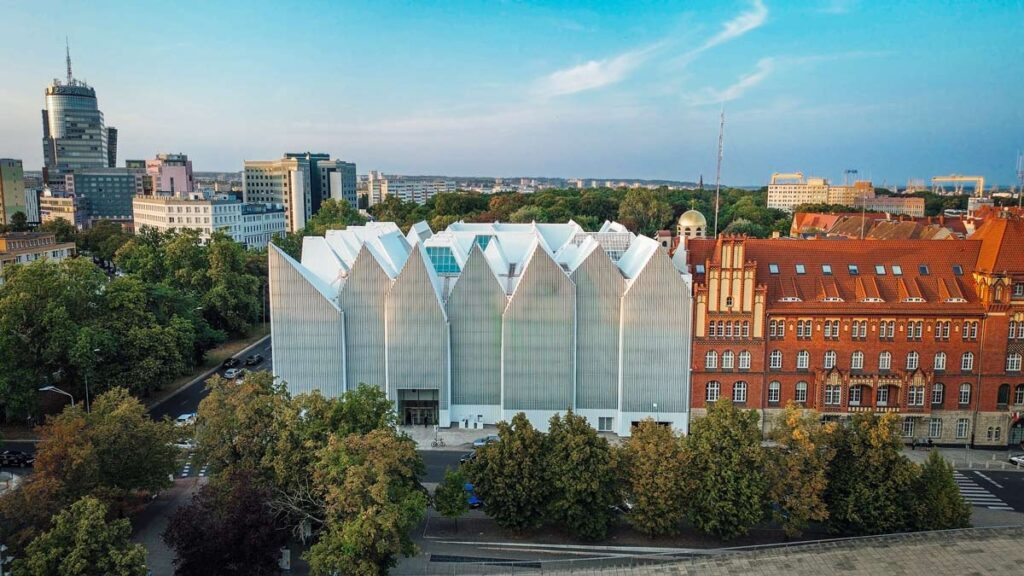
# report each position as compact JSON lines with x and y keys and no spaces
{"x":467,"y":457}
{"x":231,"y":363}
{"x":253,"y":360}
{"x":17,"y":459}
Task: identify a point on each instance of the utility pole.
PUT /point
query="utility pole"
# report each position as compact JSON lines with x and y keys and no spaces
{"x":718,"y":169}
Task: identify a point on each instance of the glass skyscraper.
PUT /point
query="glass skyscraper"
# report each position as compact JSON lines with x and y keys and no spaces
{"x":74,"y":135}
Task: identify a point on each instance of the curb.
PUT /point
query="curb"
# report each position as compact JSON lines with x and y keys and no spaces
{"x":205,"y":375}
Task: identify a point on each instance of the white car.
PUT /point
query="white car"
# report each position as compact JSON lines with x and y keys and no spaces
{"x":232,"y":373}
{"x":185,"y":445}
{"x":1017,"y":460}
{"x":185,"y":419}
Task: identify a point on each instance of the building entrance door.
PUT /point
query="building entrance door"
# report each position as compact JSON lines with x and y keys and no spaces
{"x":1017,"y":434}
{"x":418,"y":407}
{"x":420,"y":416}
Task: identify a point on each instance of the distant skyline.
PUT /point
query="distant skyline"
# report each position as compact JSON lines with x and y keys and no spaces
{"x":559,"y":89}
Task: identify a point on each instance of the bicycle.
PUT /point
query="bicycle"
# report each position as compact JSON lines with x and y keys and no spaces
{"x":438,"y":442}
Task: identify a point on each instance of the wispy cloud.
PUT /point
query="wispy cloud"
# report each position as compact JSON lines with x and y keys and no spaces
{"x":837,"y":7}
{"x":592,"y":74}
{"x":765,"y":67}
{"x":738,"y":26}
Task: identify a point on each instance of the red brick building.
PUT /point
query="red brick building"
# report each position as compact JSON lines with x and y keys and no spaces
{"x":933,"y":331}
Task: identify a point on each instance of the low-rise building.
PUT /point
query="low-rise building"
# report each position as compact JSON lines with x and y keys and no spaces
{"x":170,"y":174}
{"x":25,"y":247}
{"x":787,"y":191}
{"x":252,"y":225}
{"x":906,"y":205}
{"x":60,"y":205}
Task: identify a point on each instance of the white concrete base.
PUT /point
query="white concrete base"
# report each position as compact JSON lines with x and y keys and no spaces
{"x":485,"y":413}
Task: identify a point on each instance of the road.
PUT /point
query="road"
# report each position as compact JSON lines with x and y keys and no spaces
{"x":991,"y":489}
{"x":189,"y":398}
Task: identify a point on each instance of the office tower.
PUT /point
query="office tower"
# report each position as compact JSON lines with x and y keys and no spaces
{"x":12,"y":189}
{"x":111,"y":147}
{"x":338,"y":180}
{"x":286,"y":182}
{"x":74,"y":135}
{"x":170,"y":174}
{"x":316,"y":193}
{"x":106,"y":192}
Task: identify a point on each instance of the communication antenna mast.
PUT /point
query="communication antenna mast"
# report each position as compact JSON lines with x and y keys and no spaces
{"x":847,"y":173}
{"x":67,"y":50}
{"x":1020,"y":179}
{"x":718,"y":169}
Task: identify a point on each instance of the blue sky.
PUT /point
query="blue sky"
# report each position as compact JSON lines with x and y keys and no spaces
{"x":599,"y":89}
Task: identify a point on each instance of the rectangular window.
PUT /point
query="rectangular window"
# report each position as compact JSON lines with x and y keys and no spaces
{"x":853,"y":270}
{"x":908,"y":427}
{"x":935,"y":428}
{"x":604,"y":424}
{"x":922,"y":269}
{"x":958,"y":270}
{"x":855,"y":393}
{"x":963,"y":425}
{"x":883,"y":396}
{"x":880,"y":269}
{"x":773,"y":268}
{"x":898,"y":271}
{"x":826,"y":269}
{"x":801,"y":392}
{"x":773,"y":392}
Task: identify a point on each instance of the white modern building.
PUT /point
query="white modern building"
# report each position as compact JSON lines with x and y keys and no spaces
{"x":252,"y":225}
{"x":473,"y":324}
{"x":286,"y":182}
{"x":414,"y":189}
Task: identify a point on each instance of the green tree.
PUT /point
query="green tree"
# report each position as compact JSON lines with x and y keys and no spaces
{"x":727,"y":471}
{"x":938,"y":503}
{"x":450,"y":496}
{"x":870,"y":481}
{"x":227,"y":529}
{"x":365,"y":409}
{"x":644,"y":211}
{"x":236,"y":422}
{"x":333,"y":215}
{"x":653,"y":479}
{"x":373,"y":503}
{"x":63,"y":230}
{"x":581,"y":476}
{"x":19,"y":222}
{"x":83,"y":542}
{"x":509,"y":475}
{"x":798,"y":468}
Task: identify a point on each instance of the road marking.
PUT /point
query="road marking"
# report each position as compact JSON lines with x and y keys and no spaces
{"x":994,"y":483}
{"x":976,"y":495}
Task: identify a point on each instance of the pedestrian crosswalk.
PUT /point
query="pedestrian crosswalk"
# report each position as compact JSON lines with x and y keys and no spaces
{"x":976,"y":495}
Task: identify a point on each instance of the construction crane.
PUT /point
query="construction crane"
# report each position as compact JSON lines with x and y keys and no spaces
{"x":798,"y":176}
{"x":958,"y":181}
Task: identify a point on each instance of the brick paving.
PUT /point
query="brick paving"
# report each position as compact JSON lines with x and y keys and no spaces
{"x":962,"y":552}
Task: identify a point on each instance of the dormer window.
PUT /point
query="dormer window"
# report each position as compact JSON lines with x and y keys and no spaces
{"x":1018,"y":290}
{"x":955,"y":300}
{"x":790,"y":299}
{"x":913,"y":299}
{"x":872,"y":300}
{"x":833,"y":299}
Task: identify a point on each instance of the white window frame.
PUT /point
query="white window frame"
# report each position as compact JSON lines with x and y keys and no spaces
{"x":908,"y":427}
{"x":744,"y":363}
{"x":963,"y":428}
{"x":829,"y":360}
{"x":964,"y":396}
{"x":775,"y":360}
{"x":1013,"y":361}
{"x":913,"y":360}
{"x":938,"y":393}
{"x":885,"y":361}
{"x":967,"y":362}
{"x":854,"y":395}
{"x":728,"y":360}
{"x":915,"y":396}
{"x":605,"y":423}
{"x":1018,"y":394}
{"x":935,"y":428}
{"x":739,"y":392}
{"x":801,"y":392}
{"x":882,"y":396}
{"x":857,"y":360}
{"x":833,"y":395}
{"x":711,"y":360}
{"x":940,"y":361}
{"x":803,"y":360}
{"x":774,"y":391}
{"x":712,"y":391}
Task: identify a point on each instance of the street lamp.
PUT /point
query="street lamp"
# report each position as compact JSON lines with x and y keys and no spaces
{"x":58,"y":391}
{"x":87,"y":403}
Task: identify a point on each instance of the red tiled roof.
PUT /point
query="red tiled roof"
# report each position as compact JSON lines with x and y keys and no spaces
{"x":941,"y":288}
{"x":1002,"y":245}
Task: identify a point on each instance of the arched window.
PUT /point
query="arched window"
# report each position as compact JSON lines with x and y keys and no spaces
{"x":940,"y":361}
{"x":1018,"y":394}
{"x":1003,"y":395}
{"x":965,"y":393}
{"x":727,"y":360}
{"x":913,"y":358}
{"x":803,"y":360}
{"x":938,"y":393}
{"x":744,"y":360}
{"x":728,"y":301}
{"x":857,"y":361}
{"x":1013,"y":362}
{"x":801,"y":392}
{"x":989,"y":433}
{"x":884,"y":361}
{"x":830,"y":359}
{"x":967,"y":362}
{"x":775,"y":360}
{"x":739,"y":392}
{"x":999,"y":432}
{"x":711,"y":359}
{"x":774,"y":391}
{"x":712,"y":391}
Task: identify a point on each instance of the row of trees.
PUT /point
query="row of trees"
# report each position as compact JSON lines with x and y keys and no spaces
{"x":642,"y":210}
{"x":67,"y":517}
{"x":332,"y":215}
{"x":721,"y":479}
{"x":71,"y":323}
{"x":334,"y":470}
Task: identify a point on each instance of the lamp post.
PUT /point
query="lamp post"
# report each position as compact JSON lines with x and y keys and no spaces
{"x":58,"y":391}
{"x":88,"y":406}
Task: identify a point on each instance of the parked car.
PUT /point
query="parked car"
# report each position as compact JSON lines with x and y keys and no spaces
{"x":1017,"y":460}
{"x":468,"y":457}
{"x":185,"y":419}
{"x":16,"y":459}
{"x":471,"y":497}
{"x":231,"y":362}
{"x":253,"y":359}
{"x":185,"y":445}
{"x":481,"y":442}
{"x":232,"y":373}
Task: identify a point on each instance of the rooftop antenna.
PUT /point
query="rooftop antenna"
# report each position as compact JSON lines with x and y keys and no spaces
{"x":718,"y":169}
{"x":67,"y":51}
